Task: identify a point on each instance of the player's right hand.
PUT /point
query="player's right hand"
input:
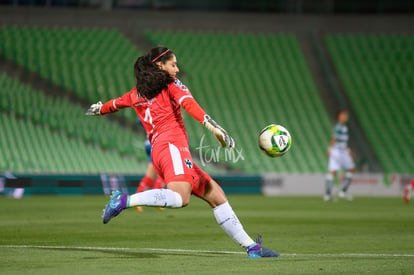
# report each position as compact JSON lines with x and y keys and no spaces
{"x":223,"y":138}
{"x":94,"y":109}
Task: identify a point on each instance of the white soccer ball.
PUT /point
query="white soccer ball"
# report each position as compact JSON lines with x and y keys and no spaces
{"x":275,"y":140}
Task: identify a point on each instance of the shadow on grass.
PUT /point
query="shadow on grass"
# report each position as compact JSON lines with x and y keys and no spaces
{"x":115,"y":252}
{"x":127,"y":253}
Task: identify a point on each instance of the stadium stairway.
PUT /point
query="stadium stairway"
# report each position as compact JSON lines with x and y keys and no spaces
{"x":377,"y":71}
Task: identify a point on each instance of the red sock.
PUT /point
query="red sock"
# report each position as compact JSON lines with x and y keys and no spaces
{"x":412,"y":184}
{"x":144,"y":184}
{"x":159,"y":183}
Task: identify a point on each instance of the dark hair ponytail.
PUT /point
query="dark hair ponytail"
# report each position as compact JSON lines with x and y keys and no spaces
{"x":150,"y":79}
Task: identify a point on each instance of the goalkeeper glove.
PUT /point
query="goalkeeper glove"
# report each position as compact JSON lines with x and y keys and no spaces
{"x":94,"y":109}
{"x":221,"y":134}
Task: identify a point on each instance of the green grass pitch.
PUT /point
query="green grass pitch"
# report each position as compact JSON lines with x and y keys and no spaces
{"x":65,"y":235}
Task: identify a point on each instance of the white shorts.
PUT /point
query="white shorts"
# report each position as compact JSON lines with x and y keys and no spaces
{"x":340,"y":159}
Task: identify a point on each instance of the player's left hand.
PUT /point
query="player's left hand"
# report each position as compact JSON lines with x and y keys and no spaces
{"x":94,"y":109}
{"x":222,"y":136}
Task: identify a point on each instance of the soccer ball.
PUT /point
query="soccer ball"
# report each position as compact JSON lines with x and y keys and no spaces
{"x":275,"y":140}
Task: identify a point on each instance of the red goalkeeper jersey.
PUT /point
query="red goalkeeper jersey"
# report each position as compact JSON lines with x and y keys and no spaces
{"x":161,"y":115}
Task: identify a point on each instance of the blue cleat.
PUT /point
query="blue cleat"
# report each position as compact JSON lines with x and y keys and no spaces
{"x":256,"y":250}
{"x":116,"y":204}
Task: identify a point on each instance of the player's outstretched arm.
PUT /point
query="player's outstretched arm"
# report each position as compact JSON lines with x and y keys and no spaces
{"x":111,"y":106}
{"x":192,"y":108}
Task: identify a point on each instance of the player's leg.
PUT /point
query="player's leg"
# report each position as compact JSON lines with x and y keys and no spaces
{"x":176,"y":196}
{"x":225,"y":215}
{"x":348,"y":180}
{"x":171,"y":163}
{"x":214,"y":195}
{"x":229,"y":222}
{"x":348,"y":164}
{"x":159,"y":184}
{"x":407,"y":191}
{"x":329,"y":185}
{"x":333,"y":166}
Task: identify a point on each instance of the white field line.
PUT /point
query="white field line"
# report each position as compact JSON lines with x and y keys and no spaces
{"x":195,"y":251}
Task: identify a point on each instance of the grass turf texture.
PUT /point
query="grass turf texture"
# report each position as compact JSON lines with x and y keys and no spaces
{"x":65,"y":235}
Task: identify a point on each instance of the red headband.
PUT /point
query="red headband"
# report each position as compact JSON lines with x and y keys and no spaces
{"x":161,"y":55}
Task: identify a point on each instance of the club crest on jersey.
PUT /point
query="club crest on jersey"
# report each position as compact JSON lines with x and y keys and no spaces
{"x":180,"y":85}
{"x":188,"y":163}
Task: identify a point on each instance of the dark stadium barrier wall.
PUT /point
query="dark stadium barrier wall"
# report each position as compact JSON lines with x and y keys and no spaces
{"x":95,"y":184}
{"x":282,"y":6}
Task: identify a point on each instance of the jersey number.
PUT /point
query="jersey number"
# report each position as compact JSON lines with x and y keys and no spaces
{"x":148,"y":117}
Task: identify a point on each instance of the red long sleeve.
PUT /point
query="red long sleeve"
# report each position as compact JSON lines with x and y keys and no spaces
{"x":114,"y":105}
{"x":108,"y":107}
{"x":193,"y":109}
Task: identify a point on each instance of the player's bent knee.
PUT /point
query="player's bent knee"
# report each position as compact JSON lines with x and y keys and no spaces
{"x":185,"y":203}
{"x":183,"y":189}
{"x":185,"y":199}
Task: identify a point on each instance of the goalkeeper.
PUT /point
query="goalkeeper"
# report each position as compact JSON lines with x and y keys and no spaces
{"x":157,"y":99}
